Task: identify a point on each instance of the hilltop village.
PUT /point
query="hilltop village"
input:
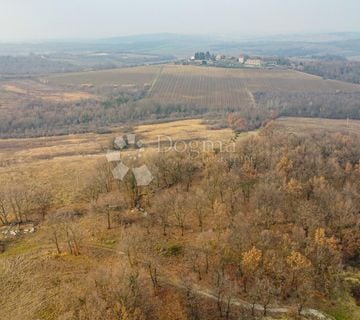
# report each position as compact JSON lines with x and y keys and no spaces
{"x":232,"y":61}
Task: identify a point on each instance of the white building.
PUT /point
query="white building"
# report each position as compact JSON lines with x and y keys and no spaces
{"x":254,"y":62}
{"x":242,"y":59}
{"x":220,"y":57}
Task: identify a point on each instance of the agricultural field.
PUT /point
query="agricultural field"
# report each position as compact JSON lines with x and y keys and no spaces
{"x":234,"y":87}
{"x":138,"y":77}
{"x":291,"y":81}
{"x":203,"y":86}
{"x":74,"y":87}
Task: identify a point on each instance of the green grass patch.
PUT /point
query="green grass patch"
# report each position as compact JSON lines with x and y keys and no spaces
{"x":19,"y":248}
{"x":170,"y":250}
{"x":108,"y":243}
{"x":345,"y":309}
{"x":47,"y":313}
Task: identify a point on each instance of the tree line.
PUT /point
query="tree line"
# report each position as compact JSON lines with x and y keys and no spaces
{"x":332,"y":68}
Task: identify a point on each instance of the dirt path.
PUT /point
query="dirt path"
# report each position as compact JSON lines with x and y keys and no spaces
{"x":169,"y":279}
{"x":307,"y":312}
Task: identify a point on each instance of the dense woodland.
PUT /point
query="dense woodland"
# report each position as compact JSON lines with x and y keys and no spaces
{"x":276,"y":222}
{"x":43,"y":118}
{"x":337,"y":105}
{"x":40,"y":118}
{"x":333,"y":68}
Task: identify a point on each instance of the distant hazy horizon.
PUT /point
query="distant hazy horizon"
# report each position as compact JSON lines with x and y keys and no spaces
{"x":82,"y":19}
{"x":311,"y":36}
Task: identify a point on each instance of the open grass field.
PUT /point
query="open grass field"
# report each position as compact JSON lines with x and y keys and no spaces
{"x":306,"y":126}
{"x":15,"y":92}
{"x":182,"y":130}
{"x":62,"y":162}
{"x":58,"y":162}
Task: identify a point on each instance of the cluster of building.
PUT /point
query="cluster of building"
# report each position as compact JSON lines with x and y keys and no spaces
{"x":255,"y":62}
{"x":210,"y":59}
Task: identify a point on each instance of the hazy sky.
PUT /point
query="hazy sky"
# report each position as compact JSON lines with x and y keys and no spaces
{"x":39,"y":19}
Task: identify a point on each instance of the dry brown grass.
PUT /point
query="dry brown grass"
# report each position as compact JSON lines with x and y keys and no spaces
{"x":126,"y":77}
{"x":64,"y":162}
{"x":25,"y":150}
{"x":34,"y":281}
{"x":14,"y":89}
{"x":306,"y":126}
{"x":69,"y":96}
{"x":193,"y":129}
{"x":24,"y":90}
{"x":61,"y":162}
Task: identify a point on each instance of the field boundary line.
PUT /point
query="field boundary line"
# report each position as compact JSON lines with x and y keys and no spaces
{"x":252,"y":98}
{"x":157,"y":77}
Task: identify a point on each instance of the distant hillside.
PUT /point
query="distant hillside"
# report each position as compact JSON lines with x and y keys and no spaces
{"x":344,"y":44}
{"x":33,"y":64}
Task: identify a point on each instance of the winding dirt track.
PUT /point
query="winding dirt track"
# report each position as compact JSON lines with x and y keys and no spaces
{"x":205,"y":292}
{"x":307,"y":312}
